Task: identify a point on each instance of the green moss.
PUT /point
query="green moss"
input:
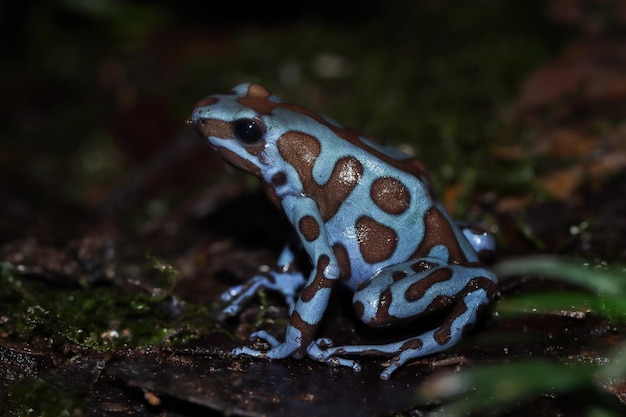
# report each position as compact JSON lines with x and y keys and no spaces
{"x":99,"y":318}
{"x":33,"y":397}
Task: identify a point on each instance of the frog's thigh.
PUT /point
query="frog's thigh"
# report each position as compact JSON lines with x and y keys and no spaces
{"x":409,"y":290}
{"x":461,"y":317}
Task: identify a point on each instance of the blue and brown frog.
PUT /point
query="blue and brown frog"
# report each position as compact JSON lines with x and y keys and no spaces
{"x":368,"y":219}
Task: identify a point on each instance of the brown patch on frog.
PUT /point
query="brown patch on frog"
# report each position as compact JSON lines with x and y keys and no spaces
{"x":438,"y":303}
{"x":257,"y":99}
{"x":301,"y":151}
{"x":438,"y":231}
{"x":382,"y":317}
{"x":309,"y":227}
{"x":390,"y":195}
{"x":319,"y":281}
{"x":346,"y":175}
{"x":422,"y":265}
{"x":481,"y":283}
{"x":238,"y":161}
{"x":364,"y":284}
{"x":306,"y":330}
{"x":257,"y":90}
{"x":359,"y":308}
{"x":278,"y":179}
{"x":343,"y":259}
{"x":412,"y":344}
{"x":443,"y":334}
{"x":417,"y":290}
{"x":214,"y":127}
{"x":398,"y":275}
{"x":377,"y":242}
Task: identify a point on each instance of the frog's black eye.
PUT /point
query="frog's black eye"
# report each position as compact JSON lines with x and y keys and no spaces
{"x":247,"y":131}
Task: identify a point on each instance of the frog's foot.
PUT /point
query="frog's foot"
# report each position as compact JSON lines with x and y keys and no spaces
{"x":399,"y":352}
{"x":286,"y":283}
{"x":278,"y":350}
{"x":318,"y":350}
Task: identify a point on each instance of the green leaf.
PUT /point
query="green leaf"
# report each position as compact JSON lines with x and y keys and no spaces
{"x":495,"y":387}
{"x":599,"y":279}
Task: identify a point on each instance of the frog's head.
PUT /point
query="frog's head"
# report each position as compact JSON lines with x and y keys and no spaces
{"x":236,"y":125}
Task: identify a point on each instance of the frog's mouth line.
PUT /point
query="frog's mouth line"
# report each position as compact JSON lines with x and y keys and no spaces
{"x":231,"y":154}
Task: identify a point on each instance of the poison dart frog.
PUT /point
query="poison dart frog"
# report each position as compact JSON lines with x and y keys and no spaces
{"x":367,"y":217}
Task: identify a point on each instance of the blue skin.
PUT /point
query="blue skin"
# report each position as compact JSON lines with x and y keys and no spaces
{"x":366,"y":216}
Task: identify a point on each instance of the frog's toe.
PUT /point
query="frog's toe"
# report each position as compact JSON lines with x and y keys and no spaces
{"x":324,"y":342}
{"x":266,"y":337}
{"x":398,"y":360}
{"x":230,"y":310}
{"x":260,"y":335}
{"x":231,"y":293}
{"x":245,"y":350}
{"x":319,"y":350}
{"x":391,"y":368}
{"x":348,"y":363}
{"x":237,"y":296}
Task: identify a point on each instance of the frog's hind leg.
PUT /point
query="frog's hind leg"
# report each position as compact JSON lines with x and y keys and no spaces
{"x":394,"y":295}
{"x":457,"y":324}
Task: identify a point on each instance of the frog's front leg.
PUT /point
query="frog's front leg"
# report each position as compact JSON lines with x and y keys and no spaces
{"x":412,"y":290}
{"x":313,"y":300}
{"x":285,"y":280}
{"x":304,"y":319}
